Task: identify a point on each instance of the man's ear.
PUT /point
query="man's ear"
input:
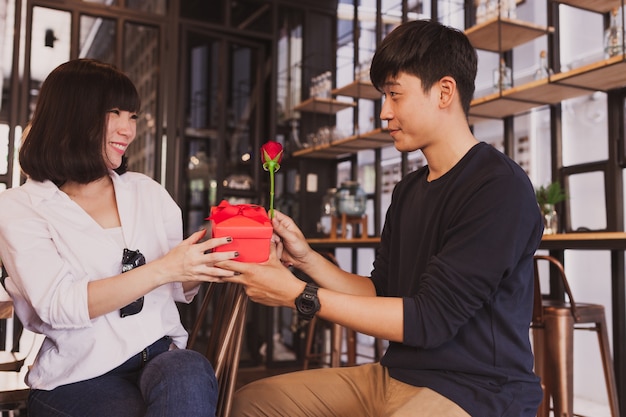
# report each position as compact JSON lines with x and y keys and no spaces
{"x":447,"y":91}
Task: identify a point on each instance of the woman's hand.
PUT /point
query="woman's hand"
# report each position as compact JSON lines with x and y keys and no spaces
{"x":269,"y":283}
{"x":193,"y":260}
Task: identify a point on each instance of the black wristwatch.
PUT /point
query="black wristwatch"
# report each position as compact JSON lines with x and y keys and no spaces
{"x":307,"y":303}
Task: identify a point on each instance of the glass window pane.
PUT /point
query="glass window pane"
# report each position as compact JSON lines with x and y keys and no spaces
{"x":582,"y":189}
{"x":289,"y":71}
{"x":242,"y":105}
{"x":579,"y":47}
{"x":97,"y":38}
{"x":491,"y":132}
{"x":4,"y":149}
{"x":452,"y":13}
{"x":585,"y":128}
{"x":50,"y":45}
{"x":487,"y":63}
{"x":7,"y":14}
{"x":540,"y":146}
{"x":141,"y":63}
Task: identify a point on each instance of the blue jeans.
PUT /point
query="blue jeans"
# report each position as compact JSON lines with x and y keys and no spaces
{"x":156,"y":382}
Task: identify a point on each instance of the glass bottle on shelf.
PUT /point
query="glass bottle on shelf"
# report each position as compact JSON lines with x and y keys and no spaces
{"x":502,"y":77}
{"x":543,"y":71}
{"x":329,"y":210}
{"x":491,"y":9}
{"x":507,"y":9}
{"x":613,"y":37}
{"x":351,"y":199}
{"x":481,"y":11}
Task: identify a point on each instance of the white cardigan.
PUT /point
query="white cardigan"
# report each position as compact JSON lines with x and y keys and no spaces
{"x":52,"y":248}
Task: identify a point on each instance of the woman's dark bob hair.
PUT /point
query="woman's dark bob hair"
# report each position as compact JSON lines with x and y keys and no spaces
{"x":64,"y":141}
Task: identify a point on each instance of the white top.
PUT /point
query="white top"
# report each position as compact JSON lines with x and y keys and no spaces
{"x":52,"y":248}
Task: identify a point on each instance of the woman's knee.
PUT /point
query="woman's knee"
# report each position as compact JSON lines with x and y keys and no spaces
{"x":186,"y":372}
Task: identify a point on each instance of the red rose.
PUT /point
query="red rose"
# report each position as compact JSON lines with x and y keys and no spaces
{"x":271,"y":151}
{"x":271,"y":155}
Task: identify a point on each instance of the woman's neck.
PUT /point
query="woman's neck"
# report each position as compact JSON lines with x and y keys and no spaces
{"x":97,"y":198}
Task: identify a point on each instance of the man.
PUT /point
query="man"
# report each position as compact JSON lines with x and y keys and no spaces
{"x":452,"y":284}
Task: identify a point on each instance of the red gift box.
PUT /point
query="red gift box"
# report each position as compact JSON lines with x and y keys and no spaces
{"x":248,"y":225}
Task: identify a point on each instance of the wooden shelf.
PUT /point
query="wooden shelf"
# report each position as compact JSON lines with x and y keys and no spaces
{"x":523,"y":98}
{"x":325,"y":243}
{"x":599,"y":76}
{"x":377,"y":138}
{"x":499,"y":35}
{"x":323,"y":105}
{"x":586,"y":240}
{"x":600,"y":6}
{"x":496,"y":106}
{"x":605,"y":75}
{"x":544,"y":91}
{"x":358,"y":89}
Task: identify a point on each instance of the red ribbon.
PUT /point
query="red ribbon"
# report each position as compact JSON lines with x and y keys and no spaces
{"x":225,"y":211}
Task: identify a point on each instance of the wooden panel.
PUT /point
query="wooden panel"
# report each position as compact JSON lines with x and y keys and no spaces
{"x":587,"y":240}
{"x":544,"y":92}
{"x":600,"y":6}
{"x":604,"y":75}
{"x":496,"y":106}
{"x":358,"y":89}
{"x":377,"y":138}
{"x":499,"y":35}
{"x":323,"y":105}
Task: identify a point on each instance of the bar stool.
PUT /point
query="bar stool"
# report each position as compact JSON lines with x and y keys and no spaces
{"x":332,"y":358}
{"x":226,"y":321}
{"x":553,"y":324}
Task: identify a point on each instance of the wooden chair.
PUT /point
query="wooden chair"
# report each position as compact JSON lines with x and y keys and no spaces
{"x":13,"y":390}
{"x":553,"y":324}
{"x":226,"y":319}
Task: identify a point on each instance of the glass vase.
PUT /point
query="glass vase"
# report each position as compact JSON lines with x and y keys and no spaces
{"x":351,"y":199}
{"x":550,"y":219}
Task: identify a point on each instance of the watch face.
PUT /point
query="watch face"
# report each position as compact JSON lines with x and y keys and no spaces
{"x":306,"y":305}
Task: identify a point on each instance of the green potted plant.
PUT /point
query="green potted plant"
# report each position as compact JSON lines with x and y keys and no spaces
{"x":547,"y":199}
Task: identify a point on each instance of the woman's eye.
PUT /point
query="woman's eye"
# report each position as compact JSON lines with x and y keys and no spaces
{"x":134,"y":116}
{"x":115,"y":111}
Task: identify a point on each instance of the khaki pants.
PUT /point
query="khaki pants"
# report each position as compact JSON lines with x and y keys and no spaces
{"x":359,"y":391}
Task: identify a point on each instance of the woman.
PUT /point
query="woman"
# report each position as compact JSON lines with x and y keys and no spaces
{"x":96,"y":263}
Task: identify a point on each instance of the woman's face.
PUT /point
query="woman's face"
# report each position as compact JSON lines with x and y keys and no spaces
{"x":121,"y":131}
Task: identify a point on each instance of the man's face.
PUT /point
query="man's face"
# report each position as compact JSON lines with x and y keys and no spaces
{"x":410,"y":113}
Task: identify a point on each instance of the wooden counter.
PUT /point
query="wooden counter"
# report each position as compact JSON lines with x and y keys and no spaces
{"x":586,"y":240}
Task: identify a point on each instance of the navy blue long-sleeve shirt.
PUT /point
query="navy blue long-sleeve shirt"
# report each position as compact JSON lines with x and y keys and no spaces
{"x":459,"y":251}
